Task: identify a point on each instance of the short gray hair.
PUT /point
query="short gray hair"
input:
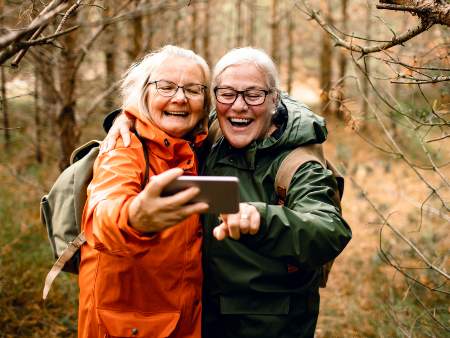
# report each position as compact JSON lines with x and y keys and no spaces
{"x":135,"y":81}
{"x":239,"y":56}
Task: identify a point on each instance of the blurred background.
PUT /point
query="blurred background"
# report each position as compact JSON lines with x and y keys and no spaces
{"x":378,"y":71}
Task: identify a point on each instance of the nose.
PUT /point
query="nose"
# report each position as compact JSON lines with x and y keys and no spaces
{"x":239,"y":104}
{"x":179,"y":96}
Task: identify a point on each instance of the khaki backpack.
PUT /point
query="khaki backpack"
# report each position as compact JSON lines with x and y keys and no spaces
{"x":62,"y":209}
{"x":288,"y":167}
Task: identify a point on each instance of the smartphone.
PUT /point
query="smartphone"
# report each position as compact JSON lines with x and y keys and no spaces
{"x":220,"y":192}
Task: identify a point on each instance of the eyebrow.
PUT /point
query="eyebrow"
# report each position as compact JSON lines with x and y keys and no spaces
{"x":248,"y":88}
{"x":185,"y":84}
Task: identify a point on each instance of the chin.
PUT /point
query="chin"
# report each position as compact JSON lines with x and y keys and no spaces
{"x":240,"y":143}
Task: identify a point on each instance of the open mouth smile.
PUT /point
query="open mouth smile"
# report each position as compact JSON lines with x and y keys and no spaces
{"x":176,"y":113}
{"x":239,"y":122}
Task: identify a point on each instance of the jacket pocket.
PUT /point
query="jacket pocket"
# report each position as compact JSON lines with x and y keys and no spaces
{"x":268,"y":304}
{"x":134,"y":324}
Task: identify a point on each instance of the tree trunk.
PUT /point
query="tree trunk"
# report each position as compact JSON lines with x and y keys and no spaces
{"x":136,"y":37}
{"x":175,"y":29}
{"x":251,"y":23}
{"x":150,"y":28}
{"x":206,"y":53}
{"x":3,"y":100}
{"x":239,"y":36}
{"x":326,"y":59}
{"x":291,"y":52}
{"x":68,"y":135}
{"x":48,"y":94}
{"x":37,"y":118}
{"x":194,"y":27}
{"x":342,"y":63}
{"x":4,"y":106}
{"x":110,"y":52}
{"x":274,"y":47}
{"x":365,"y":82}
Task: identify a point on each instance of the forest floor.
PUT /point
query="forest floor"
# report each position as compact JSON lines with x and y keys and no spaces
{"x":364,"y":297}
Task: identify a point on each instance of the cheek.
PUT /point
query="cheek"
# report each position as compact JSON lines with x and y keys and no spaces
{"x":198,"y":109}
{"x":221,"y":109}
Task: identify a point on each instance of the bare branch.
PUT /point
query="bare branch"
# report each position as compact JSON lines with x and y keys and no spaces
{"x":36,"y":23}
{"x":396,"y":40}
{"x":413,"y":80}
{"x":435,"y":11}
{"x":438,"y":138}
{"x":48,"y":39}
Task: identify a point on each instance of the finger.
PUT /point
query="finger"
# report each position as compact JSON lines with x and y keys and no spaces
{"x":220,"y":232}
{"x":111,"y":139}
{"x":233,"y":224}
{"x":183,"y":197}
{"x":244,"y":224}
{"x":244,"y":218}
{"x":102,"y":147}
{"x":255,"y":222}
{"x":125,"y":134}
{"x":195,"y":208}
{"x":223,"y":218}
{"x":159,"y":182}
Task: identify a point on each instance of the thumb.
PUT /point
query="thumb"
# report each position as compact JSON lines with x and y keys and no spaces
{"x":159,"y":182}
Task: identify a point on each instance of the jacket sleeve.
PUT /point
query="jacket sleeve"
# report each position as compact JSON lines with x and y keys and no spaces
{"x":116,"y":182}
{"x":308,"y":229}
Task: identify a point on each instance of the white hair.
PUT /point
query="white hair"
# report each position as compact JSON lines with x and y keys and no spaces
{"x":239,"y":56}
{"x":135,"y":81}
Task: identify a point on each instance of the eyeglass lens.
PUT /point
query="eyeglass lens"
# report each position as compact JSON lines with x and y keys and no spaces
{"x":251,"y":97}
{"x":169,"y":88}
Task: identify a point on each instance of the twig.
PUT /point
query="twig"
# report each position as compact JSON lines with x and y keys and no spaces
{"x":42,"y":20}
{"x":397,"y":40}
{"x":438,"y":138}
{"x":400,"y":235}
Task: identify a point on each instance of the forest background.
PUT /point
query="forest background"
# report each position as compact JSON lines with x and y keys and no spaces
{"x":379,"y":72}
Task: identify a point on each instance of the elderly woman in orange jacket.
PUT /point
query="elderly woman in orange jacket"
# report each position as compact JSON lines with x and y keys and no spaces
{"x":140,"y":274}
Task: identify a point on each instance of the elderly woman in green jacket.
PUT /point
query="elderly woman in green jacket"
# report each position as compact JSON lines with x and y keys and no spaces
{"x":250,"y":289}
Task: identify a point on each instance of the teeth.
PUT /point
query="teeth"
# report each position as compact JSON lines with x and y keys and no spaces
{"x":239,"y":120}
{"x":177,"y":113}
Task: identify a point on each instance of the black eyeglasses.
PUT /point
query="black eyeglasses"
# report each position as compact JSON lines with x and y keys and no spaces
{"x":252,"y":96}
{"x":169,"y":89}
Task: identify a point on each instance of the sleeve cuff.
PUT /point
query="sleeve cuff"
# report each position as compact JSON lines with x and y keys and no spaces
{"x":125,"y":226}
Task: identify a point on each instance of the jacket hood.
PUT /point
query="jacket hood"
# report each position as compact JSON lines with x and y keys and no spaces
{"x":302,"y":126}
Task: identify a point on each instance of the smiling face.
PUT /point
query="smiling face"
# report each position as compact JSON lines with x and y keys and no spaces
{"x":242,"y":123}
{"x":176,"y":115}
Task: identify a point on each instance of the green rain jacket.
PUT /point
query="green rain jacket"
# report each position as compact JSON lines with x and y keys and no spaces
{"x":249,"y":290}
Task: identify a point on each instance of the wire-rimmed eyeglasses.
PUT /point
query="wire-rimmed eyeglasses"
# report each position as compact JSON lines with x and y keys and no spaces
{"x":169,"y":89}
{"x":251,"y":96}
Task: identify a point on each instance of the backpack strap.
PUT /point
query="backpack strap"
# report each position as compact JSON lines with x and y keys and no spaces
{"x":67,"y":254}
{"x":147,"y":160}
{"x":288,"y":167}
{"x":290,"y":164}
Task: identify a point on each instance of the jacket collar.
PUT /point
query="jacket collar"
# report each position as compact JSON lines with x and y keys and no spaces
{"x":175,"y":151}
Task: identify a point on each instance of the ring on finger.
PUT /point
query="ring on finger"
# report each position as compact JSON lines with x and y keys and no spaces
{"x":244,"y":217}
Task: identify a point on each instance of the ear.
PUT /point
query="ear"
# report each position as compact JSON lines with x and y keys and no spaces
{"x":276,"y":97}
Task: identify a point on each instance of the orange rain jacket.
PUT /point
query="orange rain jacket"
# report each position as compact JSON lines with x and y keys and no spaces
{"x":132,"y":284}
